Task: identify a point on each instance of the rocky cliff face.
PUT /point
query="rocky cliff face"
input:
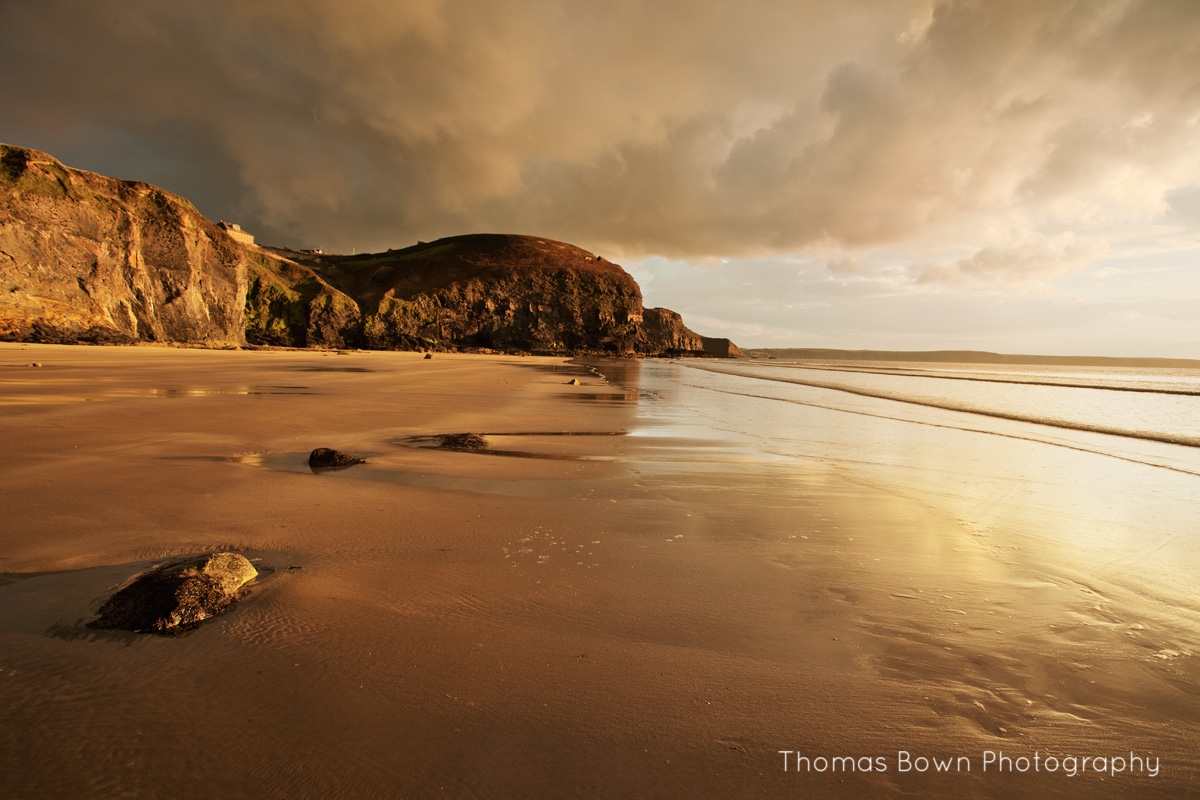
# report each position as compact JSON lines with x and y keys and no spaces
{"x":88,"y":258}
{"x":289,"y":305}
{"x":663,"y":333}
{"x":507,"y":292}
{"x":490,"y":291}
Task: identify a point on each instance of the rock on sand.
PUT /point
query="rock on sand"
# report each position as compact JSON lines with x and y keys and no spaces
{"x":463,"y":441}
{"x":324,"y":457}
{"x":177,"y":596}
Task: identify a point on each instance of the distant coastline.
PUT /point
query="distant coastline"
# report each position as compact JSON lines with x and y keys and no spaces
{"x":964,"y":357}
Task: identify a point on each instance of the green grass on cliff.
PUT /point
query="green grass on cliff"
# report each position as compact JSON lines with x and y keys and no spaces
{"x":17,"y":169}
{"x":402,"y":255}
{"x":367,"y":260}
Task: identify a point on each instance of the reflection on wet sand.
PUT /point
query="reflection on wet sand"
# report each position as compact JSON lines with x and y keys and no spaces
{"x":604,"y":397}
{"x":1037,"y":594}
{"x":691,"y":585}
{"x":93,"y":393}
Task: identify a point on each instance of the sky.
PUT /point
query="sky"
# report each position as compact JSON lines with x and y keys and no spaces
{"x":883,"y":174}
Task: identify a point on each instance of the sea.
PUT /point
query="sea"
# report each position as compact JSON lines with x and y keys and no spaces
{"x":1095,"y":470}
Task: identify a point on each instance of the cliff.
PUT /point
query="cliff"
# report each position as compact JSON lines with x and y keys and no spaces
{"x":289,"y":305}
{"x":663,"y":333}
{"x":493,"y":291}
{"x":87,"y":258}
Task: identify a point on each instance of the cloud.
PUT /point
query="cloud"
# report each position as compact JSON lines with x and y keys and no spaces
{"x":1028,"y":263}
{"x":1184,"y":205}
{"x":689,"y":130}
{"x":842,"y":266}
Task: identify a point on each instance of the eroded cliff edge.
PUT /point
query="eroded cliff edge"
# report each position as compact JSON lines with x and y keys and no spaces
{"x":88,"y":258}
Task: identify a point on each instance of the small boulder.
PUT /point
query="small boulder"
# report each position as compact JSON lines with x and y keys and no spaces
{"x":463,"y":441}
{"x":325,"y":457}
{"x":428,"y":356}
{"x":177,"y":596}
{"x":574,"y":382}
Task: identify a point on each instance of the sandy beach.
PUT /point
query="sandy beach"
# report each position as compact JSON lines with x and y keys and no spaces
{"x":644,"y":611}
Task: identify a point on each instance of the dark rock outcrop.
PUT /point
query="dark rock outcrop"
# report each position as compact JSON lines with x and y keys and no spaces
{"x":326,"y":457}
{"x":506,"y":292}
{"x":721,"y":348}
{"x":177,"y":596}
{"x":663,"y":332}
{"x":490,"y":291}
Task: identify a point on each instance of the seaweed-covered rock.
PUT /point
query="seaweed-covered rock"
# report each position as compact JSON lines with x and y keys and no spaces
{"x":177,"y":596}
{"x":325,"y":457}
{"x":463,"y":441}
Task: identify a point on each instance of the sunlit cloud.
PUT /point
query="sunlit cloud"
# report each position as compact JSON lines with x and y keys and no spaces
{"x":1034,"y":262}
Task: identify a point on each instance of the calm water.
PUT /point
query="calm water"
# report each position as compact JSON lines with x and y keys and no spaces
{"x":1097,"y":471}
{"x":1161,"y":406}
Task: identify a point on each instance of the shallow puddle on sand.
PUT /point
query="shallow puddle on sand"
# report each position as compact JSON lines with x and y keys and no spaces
{"x":39,"y":399}
{"x":606,"y":397}
{"x":560,"y":369}
{"x":555,"y":445}
{"x":209,"y":392}
{"x":150,"y":392}
{"x":646,"y":448}
{"x":298,"y":463}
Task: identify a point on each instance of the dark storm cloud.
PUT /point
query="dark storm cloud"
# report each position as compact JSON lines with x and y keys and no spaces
{"x":1010,"y":134}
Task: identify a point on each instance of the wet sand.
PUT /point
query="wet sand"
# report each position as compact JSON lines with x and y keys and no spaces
{"x":647,"y":615}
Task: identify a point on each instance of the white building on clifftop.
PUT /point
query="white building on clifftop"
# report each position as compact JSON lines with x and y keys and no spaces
{"x":235,"y":230}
